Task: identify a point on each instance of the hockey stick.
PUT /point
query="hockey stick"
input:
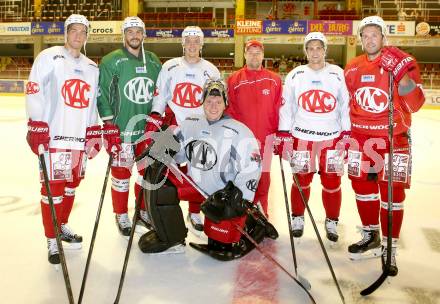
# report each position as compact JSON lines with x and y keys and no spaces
{"x":269,"y":257}
{"x":327,"y":259}
{"x":289,"y":222}
{"x":130,"y":240}
{"x":41,"y":151}
{"x":95,"y":229}
{"x":386,"y":271}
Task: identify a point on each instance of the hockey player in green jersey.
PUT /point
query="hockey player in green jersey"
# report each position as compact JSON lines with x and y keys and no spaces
{"x":127,"y":83}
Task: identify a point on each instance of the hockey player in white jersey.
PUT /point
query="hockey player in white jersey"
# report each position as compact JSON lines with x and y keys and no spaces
{"x":314,"y":117}
{"x":180,"y":86}
{"x":61,"y":106}
{"x":224,"y":161}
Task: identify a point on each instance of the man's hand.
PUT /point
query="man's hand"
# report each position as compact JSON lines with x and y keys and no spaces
{"x":93,"y":141}
{"x":396,"y":61}
{"x":283,"y":143}
{"x":112,"y":138}
{"x":38,"y":134}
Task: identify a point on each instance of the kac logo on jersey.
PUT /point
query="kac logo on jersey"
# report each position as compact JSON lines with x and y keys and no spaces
{"x":266,"y":92}
{"x":201,"y":155}
{"x":317,"y":101}
{"x":139,"y":90}
{"x":370,"y":99}
{"x":187,"y":95}
{"x":74,"y":92}
{"x":32,"y":88}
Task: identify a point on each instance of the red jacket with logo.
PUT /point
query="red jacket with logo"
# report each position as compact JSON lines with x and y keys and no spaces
{"x":368,"y":85}
{"x":255,"y":100}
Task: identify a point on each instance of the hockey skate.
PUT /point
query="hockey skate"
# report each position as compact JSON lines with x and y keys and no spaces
{"x":53,"y":254}
{"x":393,"y":266}
{"x":195,"y":225}
{"x":143,"y":221}
{"x":297,"y":226}
{"x":368,"y":247}
{"x":331,"y":231}
{"x":123,"y":223}
{"x":70,"y":238}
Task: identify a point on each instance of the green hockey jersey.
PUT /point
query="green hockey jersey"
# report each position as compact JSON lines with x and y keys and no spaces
{"x":127,"y":90}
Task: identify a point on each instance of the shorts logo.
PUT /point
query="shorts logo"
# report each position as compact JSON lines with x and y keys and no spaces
{"x":187,"y":95}
{"x":139,"y":90}
{"x":32,"y":88}
{"x":74,"y":92}
{"x":317,"y":101}
{"x":371,"y":99}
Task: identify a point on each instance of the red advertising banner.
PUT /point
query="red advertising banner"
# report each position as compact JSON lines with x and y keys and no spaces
{"x":246,"y":27}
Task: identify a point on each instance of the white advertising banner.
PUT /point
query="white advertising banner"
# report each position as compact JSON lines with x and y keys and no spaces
{"x":15,"y":28}
{"x":394,"y":28}
{"x":432,"y":99}
{"x":105,"y":27}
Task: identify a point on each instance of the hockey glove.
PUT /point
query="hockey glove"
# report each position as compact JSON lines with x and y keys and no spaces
{"x":112,"y":138}
{"x":93,"y":141}
{"x":343,"y":143}
{"x":224,"y":204}
{"x":154,"y":124}
{"x":396,"y":61}
{"x":283,"y":143}
{"x":38,"y":134}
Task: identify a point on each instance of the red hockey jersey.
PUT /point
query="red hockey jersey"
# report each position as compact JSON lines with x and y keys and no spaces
{"x":368,"y":85}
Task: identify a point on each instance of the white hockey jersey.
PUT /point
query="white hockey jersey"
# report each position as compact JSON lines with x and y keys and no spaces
{"x":180,"y":85}
{"x":315,"y":103}
{"x":62,"y":91}
{"x":218,"y":152}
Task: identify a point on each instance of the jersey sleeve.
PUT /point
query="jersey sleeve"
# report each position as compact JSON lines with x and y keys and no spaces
{"x":231,"y":96}
{"x":287,"y":109}
{"x":163,"y":92}
{"x":93,"y":114}
{"x":38,"y":78}
{"x":248,"y":164}
{"x":344,"y":104}
{"x":414,"y":100}
{"x":106,"y":79}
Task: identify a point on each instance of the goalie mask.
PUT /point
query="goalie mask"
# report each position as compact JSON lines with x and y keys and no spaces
{"x":215,"y":88}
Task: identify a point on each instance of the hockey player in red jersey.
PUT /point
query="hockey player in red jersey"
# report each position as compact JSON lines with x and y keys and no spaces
{"x":367,"y":78}
{"x":314,"y":117}
{"x":254,"y":99}
{"x":61,"y":106}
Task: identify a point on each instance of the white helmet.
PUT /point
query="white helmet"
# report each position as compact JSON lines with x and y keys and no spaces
{"x":192,"y":31}
{"x":75,"y":18}
{"x":372,"y":20}
{"x":132,"y":22}
{"x":315,"y":36}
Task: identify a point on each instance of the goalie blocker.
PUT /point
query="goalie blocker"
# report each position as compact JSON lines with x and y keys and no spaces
{"x":225,"y":209}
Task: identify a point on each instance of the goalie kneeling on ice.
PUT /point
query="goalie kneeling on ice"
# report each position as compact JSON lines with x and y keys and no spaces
{"x":225,"y":209}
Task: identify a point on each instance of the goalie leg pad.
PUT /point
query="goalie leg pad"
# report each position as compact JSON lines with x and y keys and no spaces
{"x":165,"y":213}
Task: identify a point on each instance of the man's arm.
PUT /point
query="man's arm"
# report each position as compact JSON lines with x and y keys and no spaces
{"x":108,"y":90}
